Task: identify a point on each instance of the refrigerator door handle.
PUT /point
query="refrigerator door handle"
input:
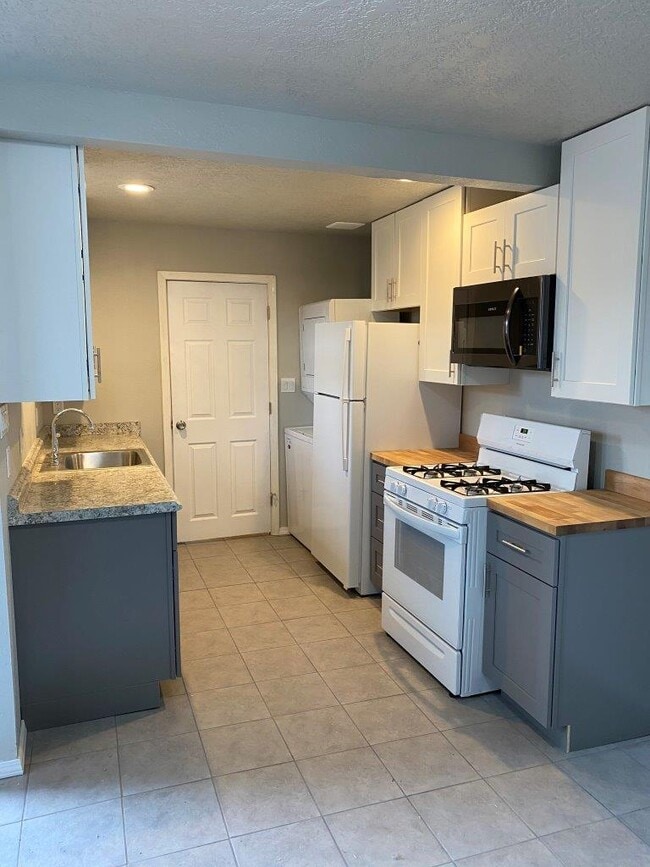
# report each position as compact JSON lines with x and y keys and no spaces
{"x":347,"y":358}
{"x":345,"y":434}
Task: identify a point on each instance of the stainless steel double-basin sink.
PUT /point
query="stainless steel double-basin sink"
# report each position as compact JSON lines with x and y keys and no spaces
{"x":99,"y":460}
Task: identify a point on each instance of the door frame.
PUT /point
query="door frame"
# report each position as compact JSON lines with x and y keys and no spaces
{"x":268,"y":280}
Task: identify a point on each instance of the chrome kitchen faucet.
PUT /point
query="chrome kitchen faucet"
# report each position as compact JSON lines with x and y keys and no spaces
{"x":56,"y":435}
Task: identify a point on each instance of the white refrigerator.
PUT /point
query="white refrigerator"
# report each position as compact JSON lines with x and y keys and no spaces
{"x":367,"y":398}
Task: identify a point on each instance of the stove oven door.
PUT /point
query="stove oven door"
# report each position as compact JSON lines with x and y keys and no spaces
{"x":424,"y":568}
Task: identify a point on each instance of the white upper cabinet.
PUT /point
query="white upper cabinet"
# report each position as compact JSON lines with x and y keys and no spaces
{"x":398,"y":259}
{"x":410,"y":256}
{"x":45,"y":335}
{"x":530,"y":239}
{"x":383,"y":262}
{"x":483,"y":234}
{"x":516,"y":238}
{"x":442,"y":218}
{"x":602,"y":324}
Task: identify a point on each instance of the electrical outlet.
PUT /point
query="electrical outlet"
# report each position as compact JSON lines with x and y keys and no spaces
{"x":288,"y":384}
{"x":4,"y":420}
{"x":57,"y":406}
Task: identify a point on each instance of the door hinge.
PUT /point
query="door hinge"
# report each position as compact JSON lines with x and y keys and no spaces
{"x":270,"y":408}
{"x":268,"y":313}
{"x":272,"y":498}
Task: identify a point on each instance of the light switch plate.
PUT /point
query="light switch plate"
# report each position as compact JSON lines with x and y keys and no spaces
{"x":288,"y":383}
{"x":4,"y":420}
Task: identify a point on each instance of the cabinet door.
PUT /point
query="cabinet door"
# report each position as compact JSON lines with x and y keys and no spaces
{"x":519,"y":636}
{"x":599,"y":260}
{"x":443,"y":220}
{"x":307,"y":345}
{"x":483,"y":237}
{"x":531,"y":234}
{"x":410,"y":257}
{"x":383,"y":261}
{"x":45,"y":337}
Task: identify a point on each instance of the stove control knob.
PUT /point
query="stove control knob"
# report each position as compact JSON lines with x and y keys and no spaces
{"x":433,"y":503}
{"x":400,"y":488}
{"x":441,"y":508}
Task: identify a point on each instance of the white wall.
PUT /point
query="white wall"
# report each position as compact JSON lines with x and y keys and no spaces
{"x":124,"y":261}
{"x":620,"y":435}
{"x":21,"y":429}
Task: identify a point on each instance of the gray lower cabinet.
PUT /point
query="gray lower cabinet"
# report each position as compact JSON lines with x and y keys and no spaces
{"x":96,"y":612}
{"x":378,"y":474}
{"x":520,"y":636}
{"x":566,"y":629}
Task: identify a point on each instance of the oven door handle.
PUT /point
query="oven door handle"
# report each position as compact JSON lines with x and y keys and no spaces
{"x":429,"y":528}
{"x":506,"y":326}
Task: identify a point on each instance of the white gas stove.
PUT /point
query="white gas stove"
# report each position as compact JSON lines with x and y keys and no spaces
{"x":435,"y":539}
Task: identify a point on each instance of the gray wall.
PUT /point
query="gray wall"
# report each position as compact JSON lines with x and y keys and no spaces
{"x":124,"y":259}
{"x":620,"y":434}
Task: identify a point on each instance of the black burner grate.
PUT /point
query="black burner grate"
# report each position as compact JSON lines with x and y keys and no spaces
{"x":451,"y":471}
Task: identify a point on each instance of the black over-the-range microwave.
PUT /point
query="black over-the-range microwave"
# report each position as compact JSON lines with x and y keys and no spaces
{"x":505,"y":324}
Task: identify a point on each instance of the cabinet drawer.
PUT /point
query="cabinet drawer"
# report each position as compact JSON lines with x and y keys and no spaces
{"x":377,"y":513}
{"x":377,"y":478}
{"x":376,"y":562}
{"x":523,"y":547}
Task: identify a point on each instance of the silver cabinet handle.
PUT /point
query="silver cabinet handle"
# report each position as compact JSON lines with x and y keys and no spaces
{"x":518,"y":548}
{"x":394,"y":298}
{"x":181,"y":425}
{"x":388,"y":285}
{"x":508,"y":247}
{"x":496,"y":267}
{"x":97,"y":363}
{"x":488,"y":581}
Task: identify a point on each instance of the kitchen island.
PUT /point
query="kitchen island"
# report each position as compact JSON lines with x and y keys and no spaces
{"x":95,"y":580}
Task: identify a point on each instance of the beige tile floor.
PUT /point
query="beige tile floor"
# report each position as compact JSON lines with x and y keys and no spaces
{"x":302,"y":735}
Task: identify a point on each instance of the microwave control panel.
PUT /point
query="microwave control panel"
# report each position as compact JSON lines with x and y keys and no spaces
{"x":529,"y":328}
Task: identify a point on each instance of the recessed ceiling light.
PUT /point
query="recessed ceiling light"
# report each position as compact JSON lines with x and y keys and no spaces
{"x":406,"y":180}
{"x":138,"y":189}
{"x":341,"y":224}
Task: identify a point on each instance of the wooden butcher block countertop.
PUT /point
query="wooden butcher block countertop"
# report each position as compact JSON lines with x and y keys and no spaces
{"x":562,"y":514}
{"x":414,"y":457}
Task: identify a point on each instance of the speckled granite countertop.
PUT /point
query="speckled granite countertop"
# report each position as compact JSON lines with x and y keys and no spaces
{"x":44,"y":496}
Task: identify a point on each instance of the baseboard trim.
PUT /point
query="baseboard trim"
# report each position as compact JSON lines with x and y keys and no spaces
{"x":16,"y":767}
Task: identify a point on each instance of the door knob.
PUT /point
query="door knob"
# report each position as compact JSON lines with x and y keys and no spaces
{"x":180,"y":425}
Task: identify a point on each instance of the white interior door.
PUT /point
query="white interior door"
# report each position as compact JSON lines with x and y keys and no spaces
{"x":219,"y":366}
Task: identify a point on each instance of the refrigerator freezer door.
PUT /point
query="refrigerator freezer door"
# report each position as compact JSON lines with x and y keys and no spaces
{"x":340,"y":359}
{"x":337,"y":492}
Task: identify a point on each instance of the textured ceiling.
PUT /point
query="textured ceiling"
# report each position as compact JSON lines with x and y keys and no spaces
{"x":236,"y":196}
{"x":536,"y":70}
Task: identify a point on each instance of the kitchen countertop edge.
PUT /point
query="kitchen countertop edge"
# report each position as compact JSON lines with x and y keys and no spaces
{"x":404,"y":457}
{"x":625,"y":512}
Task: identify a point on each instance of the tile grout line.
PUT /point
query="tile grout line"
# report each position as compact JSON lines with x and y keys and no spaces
{"x":119,"y":775}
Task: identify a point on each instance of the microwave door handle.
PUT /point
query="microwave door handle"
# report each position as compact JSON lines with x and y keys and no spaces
{"x":429,"y":528}
{"x":506,"y":326}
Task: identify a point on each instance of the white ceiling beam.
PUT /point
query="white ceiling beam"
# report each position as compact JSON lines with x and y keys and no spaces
{"x":73,"y":114}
